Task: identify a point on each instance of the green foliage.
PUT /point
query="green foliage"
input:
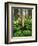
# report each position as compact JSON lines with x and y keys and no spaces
{"x":20,"y":31}
{"x":27,"y":33}
{"x":17,"y":33}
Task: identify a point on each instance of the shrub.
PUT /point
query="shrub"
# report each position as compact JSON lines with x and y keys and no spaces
{"x":22,"y":31}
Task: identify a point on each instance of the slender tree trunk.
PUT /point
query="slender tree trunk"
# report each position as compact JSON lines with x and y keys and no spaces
{"x":23,"y":17}
{"x":27,"y":13}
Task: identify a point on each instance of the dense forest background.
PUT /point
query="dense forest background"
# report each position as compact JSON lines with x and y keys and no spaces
{"x":21,"y":22}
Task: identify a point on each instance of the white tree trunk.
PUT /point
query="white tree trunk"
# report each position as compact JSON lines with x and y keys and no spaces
{"x":23,"y":17}
{"x":26,"y":12}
